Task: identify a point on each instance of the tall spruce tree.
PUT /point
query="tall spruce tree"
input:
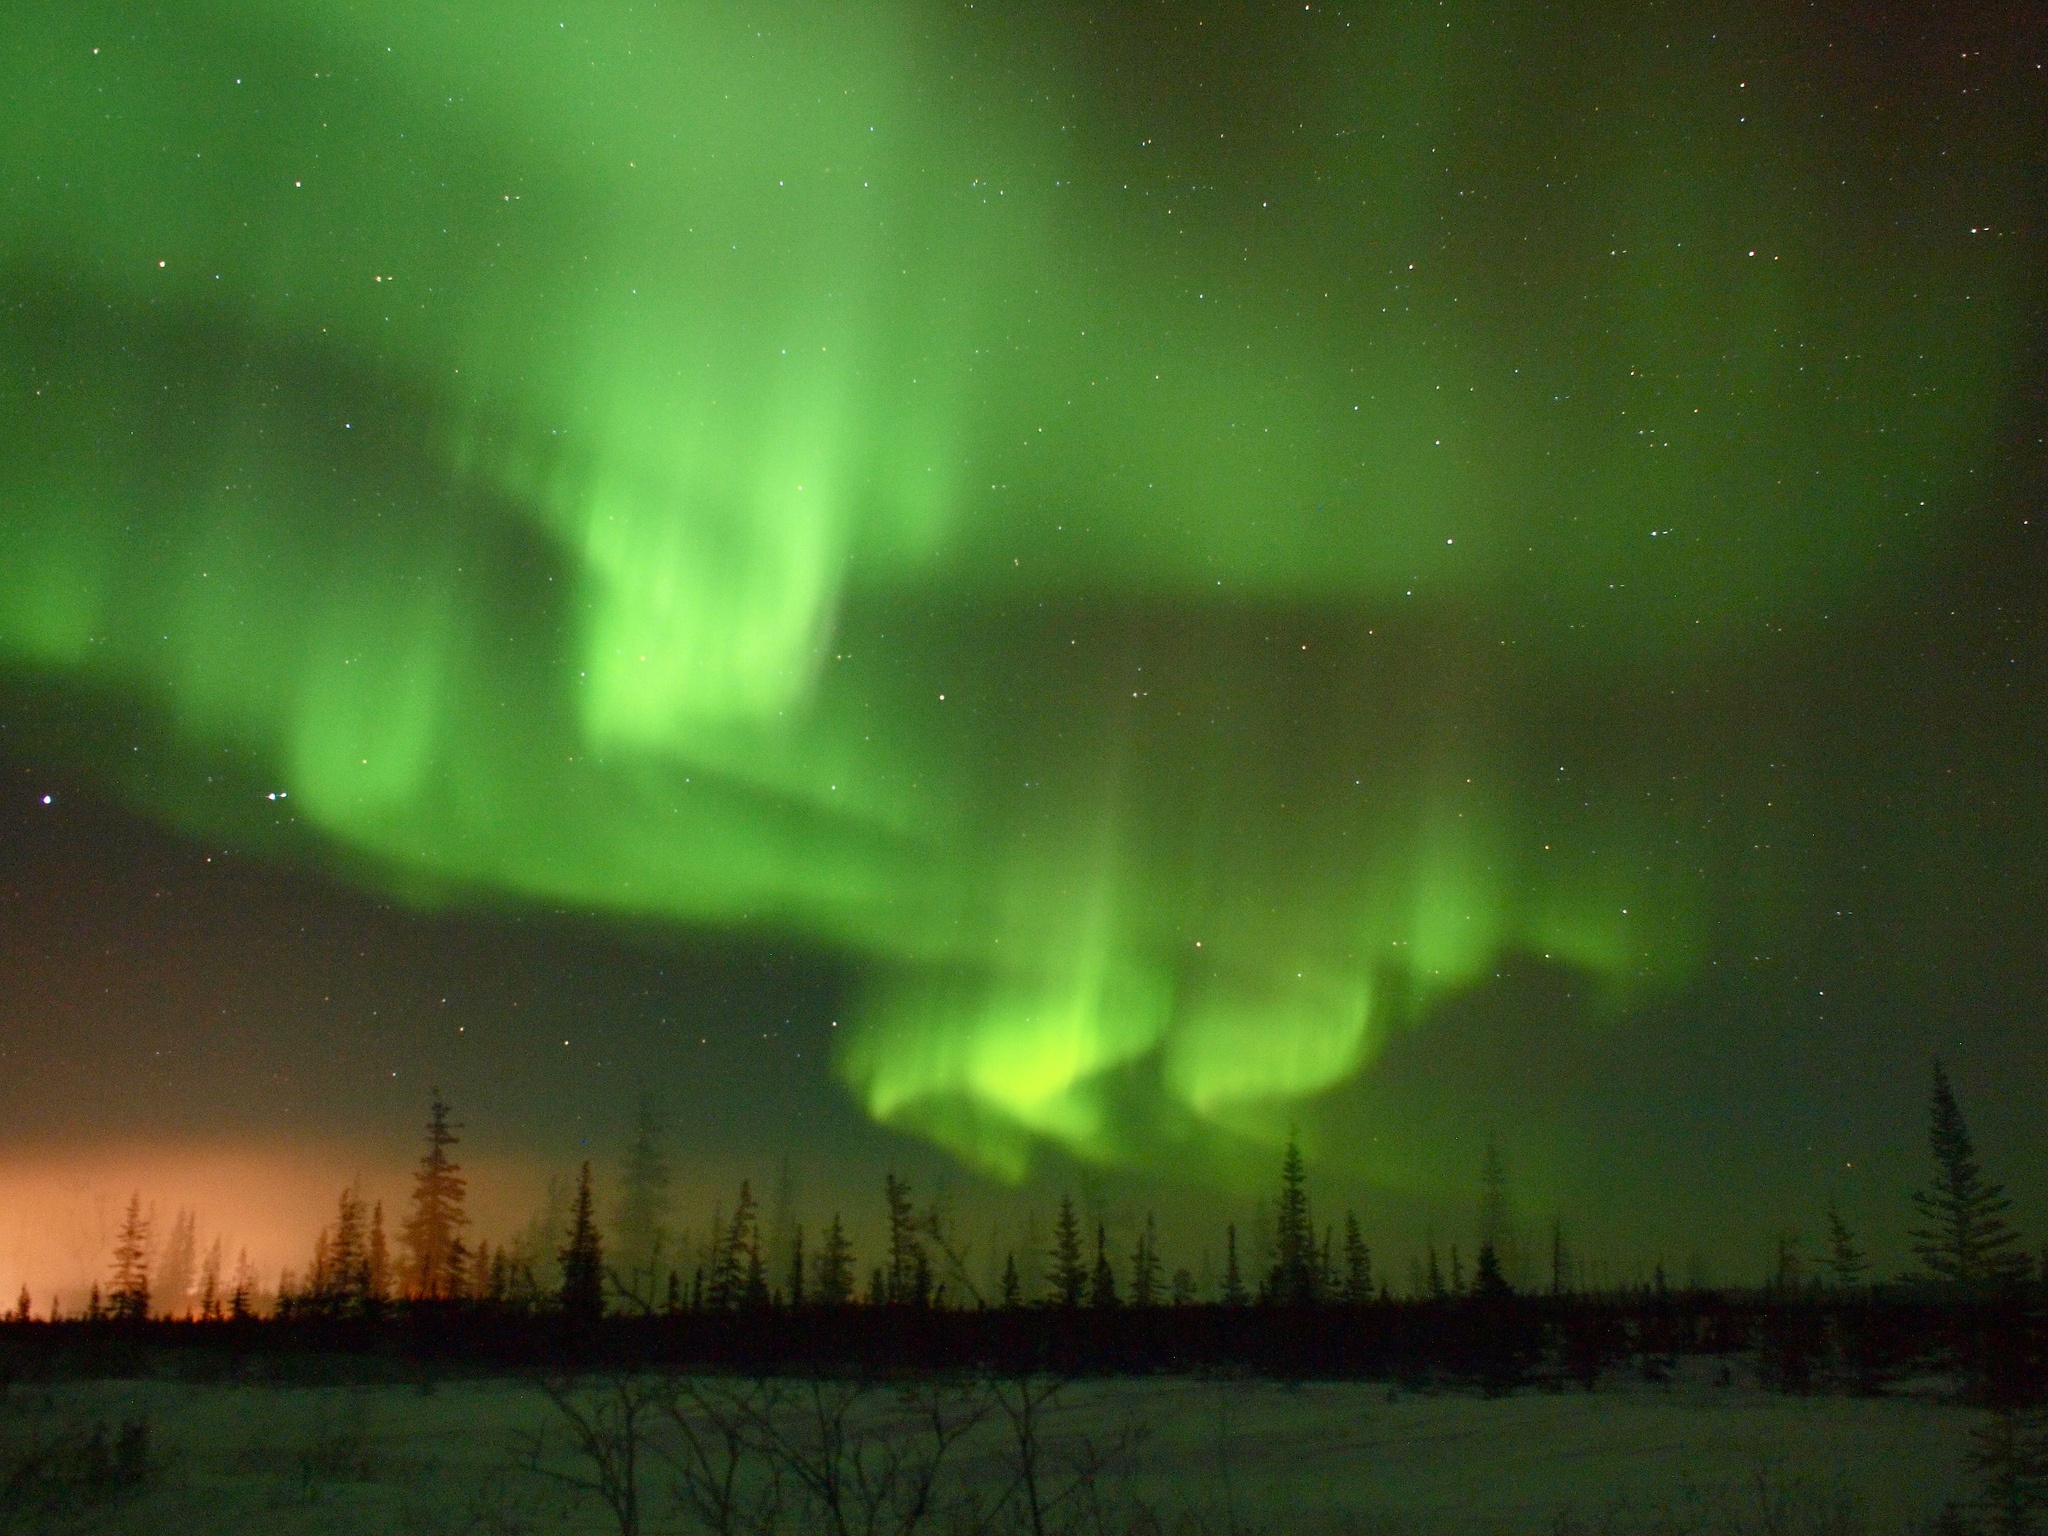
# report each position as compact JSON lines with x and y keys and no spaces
{"x":1497,"y":1212}
{"x":348,"y":1259}
{"x":1069,"y":1275}
{"x":1966,"y":1240}
{"x":242,"y":1297}
{"x":737,"y":1253}
{"x":835,"y":1267}
{"x":128,"y":1289}
{"x":432,"y":1235}
{"x":582,"y":1294}
{"x":1233,"y":1278}
{"x":906,"y":1252}
{"x":317,"y":1296}
{"x":1489,"y":1284}
{"x":1296,"y":1275}
{"x":209,"y":1283}
{"x":1102,"y":1281}
{"x":1357,"y":1263}
{"x":1145,"y":1265}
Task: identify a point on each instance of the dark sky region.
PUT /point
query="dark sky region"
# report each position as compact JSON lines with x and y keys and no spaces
{"x":1044,"y":595}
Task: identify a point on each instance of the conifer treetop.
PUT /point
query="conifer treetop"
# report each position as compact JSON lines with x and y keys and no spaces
{"x":1966,"y":1239}
{"x":432,"y":1232}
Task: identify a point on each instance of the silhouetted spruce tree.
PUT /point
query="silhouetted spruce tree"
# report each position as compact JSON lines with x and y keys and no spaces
{"x":796,"y":1265}
{"x":317,"y":1297}
{"x":1846,"y":1262}
{"x":1295,"y":1276}
{"x":1069,"y":1276}
{"x":1145,"y":1265}
{"x":209,"y":1284}
{"x":1496,"y":1211}
{"x":1013,"y":1286}
{"x":906,"y":1251}
{"x":1435,"y":1275}
{"x":582,"y":1295}
{"x":320,"y":1295}
{"x":348,"y":1258}
{"x":1184,"y":1293}
{"x":1102,"y":1283}
{"x":1489,"y":1284}
{"x":738,"y":1251}
{"x":835,"y":1267}
{"x":1357,"y":1263}
{"x":242,"y":1298}
{"x":1457,"y":1272}
{"x":432,"y":1236}
{"x":1967,"y":1240}
{"x":128,"y":1290}
{"x":1233,"y":1279}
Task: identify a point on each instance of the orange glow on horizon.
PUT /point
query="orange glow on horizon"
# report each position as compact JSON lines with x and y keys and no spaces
{"x":60,"y":1208}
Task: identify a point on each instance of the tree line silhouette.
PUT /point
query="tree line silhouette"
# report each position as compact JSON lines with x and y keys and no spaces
{"x":1317,"y":1303}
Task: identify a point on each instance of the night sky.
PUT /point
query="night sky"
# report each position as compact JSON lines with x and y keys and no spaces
{"x":1044,"y":595}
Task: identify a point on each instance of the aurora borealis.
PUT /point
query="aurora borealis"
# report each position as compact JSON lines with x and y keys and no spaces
{"x":1169,"y":548}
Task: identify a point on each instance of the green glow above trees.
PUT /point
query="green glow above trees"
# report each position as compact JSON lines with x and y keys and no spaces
{"x":777,"y":471}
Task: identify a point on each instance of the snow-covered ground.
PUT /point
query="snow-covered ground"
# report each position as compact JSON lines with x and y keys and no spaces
{"x":1171,"y":1454}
